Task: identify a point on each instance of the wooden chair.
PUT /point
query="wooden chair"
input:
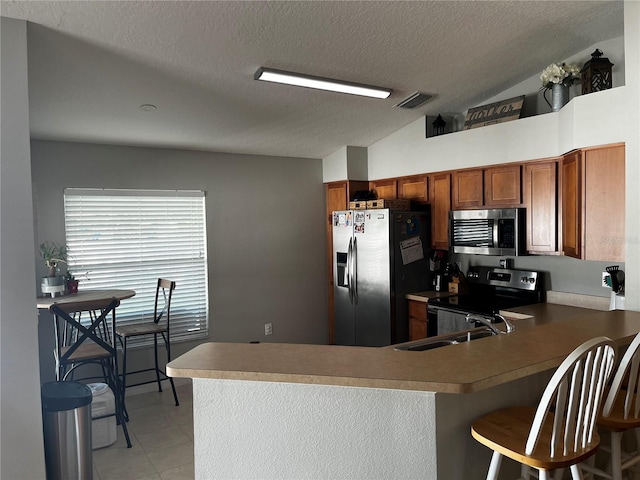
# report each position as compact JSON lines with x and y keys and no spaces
{"x":560,"y":432}
{"x":159,"y":326}
{"x":621,"y":413}
{"x":92,"y":341}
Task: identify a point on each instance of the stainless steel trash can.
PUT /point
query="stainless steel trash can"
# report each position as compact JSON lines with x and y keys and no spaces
{"x":66,"y":414}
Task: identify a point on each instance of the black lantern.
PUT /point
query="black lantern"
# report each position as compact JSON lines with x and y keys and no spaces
{"x":596,"y":73}
{"x":439,"y":126}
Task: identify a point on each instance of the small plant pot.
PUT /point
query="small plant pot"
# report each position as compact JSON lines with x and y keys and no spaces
{"x":72,"y":286}
{"x":53,"y":281}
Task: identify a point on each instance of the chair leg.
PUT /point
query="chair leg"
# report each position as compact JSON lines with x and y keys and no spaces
{"x":525,"y":472}
{"x":494,"y":466}
{"x":576,"y":473}
{"x":167,"y":346}
{"x":616,"y":455}
{"x":119,"y":398}
{"x":123,"y":344}
{"x":155,"y":356}
{"x":544,"y":475}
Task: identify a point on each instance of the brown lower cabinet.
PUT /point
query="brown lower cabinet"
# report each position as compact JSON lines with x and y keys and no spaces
{"x":417,"y":320}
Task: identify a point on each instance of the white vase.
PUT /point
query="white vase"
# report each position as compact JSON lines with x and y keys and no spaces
{"x":559,"y":96}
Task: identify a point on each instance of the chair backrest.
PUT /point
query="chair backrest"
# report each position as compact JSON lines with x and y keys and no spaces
{"x":73,"y":333}
{"x":162,"y":306}
{"x":629,"y":364}
{"x":574,"y":395}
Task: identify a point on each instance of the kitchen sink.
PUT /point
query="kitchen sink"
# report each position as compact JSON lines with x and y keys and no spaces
{"x":427,"y":345}
{"x":474,"y":335}
{"x":443,"y":341}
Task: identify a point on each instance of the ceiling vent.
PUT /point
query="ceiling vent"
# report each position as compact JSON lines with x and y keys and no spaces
{"x":415,"y":100}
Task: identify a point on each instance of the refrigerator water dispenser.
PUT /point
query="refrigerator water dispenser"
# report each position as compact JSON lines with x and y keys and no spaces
{"x":342,"y":270}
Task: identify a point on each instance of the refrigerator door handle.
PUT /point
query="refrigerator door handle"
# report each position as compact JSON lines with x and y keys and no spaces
{"x":355,"y":269}
{"x":350,"y":269}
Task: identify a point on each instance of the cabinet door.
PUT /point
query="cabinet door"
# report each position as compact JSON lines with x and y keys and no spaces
{"x":572,"y":204}
{"x":604,"y":204}
{"x":384,"y":188}
{"x":417,"y":320}
{"x":540,"y":200}
{"x":414,"y":188}
{"x":467,"y":189}
{"x":440,"y":191}
{"x":502,"y":186}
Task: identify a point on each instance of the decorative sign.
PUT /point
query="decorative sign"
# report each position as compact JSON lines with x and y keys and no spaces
{"x":493,"y":113}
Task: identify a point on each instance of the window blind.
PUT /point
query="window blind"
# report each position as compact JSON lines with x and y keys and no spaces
{"x":127,"y":239}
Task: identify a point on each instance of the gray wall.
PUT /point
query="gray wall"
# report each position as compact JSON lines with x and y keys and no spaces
{"x":265,"y":231}
{"x":21,"y":427}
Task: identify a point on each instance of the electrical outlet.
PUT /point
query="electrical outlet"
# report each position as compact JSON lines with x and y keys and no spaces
{"x":606,"y":279}
{"x":268,"y":328}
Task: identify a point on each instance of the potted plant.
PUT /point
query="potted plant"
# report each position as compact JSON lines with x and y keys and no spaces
{"x":72,"y":282}
{"x":53,"y":255}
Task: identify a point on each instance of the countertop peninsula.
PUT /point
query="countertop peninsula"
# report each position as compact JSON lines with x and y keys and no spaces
{"x":538,"y":344}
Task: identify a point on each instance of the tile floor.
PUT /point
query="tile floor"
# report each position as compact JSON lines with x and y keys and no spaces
{"x":161,"y":437}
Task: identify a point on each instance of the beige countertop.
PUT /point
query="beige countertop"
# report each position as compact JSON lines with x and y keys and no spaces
{"x":539,"y":343}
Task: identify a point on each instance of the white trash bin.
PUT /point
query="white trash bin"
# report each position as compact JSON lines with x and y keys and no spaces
{"x":103,"y":430}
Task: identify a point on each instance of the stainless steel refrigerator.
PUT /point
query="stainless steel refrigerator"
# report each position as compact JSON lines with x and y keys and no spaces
{"x":378,"y":257}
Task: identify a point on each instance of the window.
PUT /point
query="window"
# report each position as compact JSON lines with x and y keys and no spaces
{"x":127,"y":239}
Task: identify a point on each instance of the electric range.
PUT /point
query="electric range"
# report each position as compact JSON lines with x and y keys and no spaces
{"x":489,"y":291}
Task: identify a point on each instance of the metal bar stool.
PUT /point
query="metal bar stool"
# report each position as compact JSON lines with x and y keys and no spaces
{"x":164,"y":292}
{"x":78,"y":344}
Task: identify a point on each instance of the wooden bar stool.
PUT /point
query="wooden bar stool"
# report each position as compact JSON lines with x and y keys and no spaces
{"x":560,"y":432}
{"x":621,"y":413}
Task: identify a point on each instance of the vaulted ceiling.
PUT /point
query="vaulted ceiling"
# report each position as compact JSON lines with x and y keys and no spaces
{"x":92,"y":64}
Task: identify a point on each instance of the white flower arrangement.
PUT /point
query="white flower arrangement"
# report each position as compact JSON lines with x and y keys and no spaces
{"x":563,"y":73}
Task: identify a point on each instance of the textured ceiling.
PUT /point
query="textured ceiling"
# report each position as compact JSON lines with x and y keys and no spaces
{"x":92,"y":64}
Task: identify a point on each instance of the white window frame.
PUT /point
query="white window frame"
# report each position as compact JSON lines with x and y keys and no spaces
{"x":127,"y":239}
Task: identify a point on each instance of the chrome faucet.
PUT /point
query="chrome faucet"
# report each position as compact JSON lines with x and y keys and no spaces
{"x":510,"y":326}
{"x":487,"y":322}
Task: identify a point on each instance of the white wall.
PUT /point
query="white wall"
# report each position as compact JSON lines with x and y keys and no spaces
{"x":266,"y":237}
{"x":281,"y":430}
{"x":271,"y":430}
{"x":22,"y":451}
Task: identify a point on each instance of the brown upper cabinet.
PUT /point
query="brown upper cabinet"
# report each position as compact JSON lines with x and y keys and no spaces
{"x":440,"y":199}
{"x":502,"y":186}
{"x":467,"y":189}
{"x":593,"y":203}
{"x":386,"y":189}
{"x":415,"y":188}
{"x":540,"y":192}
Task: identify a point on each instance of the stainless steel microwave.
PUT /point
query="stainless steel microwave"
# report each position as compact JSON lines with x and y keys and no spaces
{"x":488,"y":232}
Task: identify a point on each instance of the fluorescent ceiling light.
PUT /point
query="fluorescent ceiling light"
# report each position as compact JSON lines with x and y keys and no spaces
{"x":300,"y":80}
